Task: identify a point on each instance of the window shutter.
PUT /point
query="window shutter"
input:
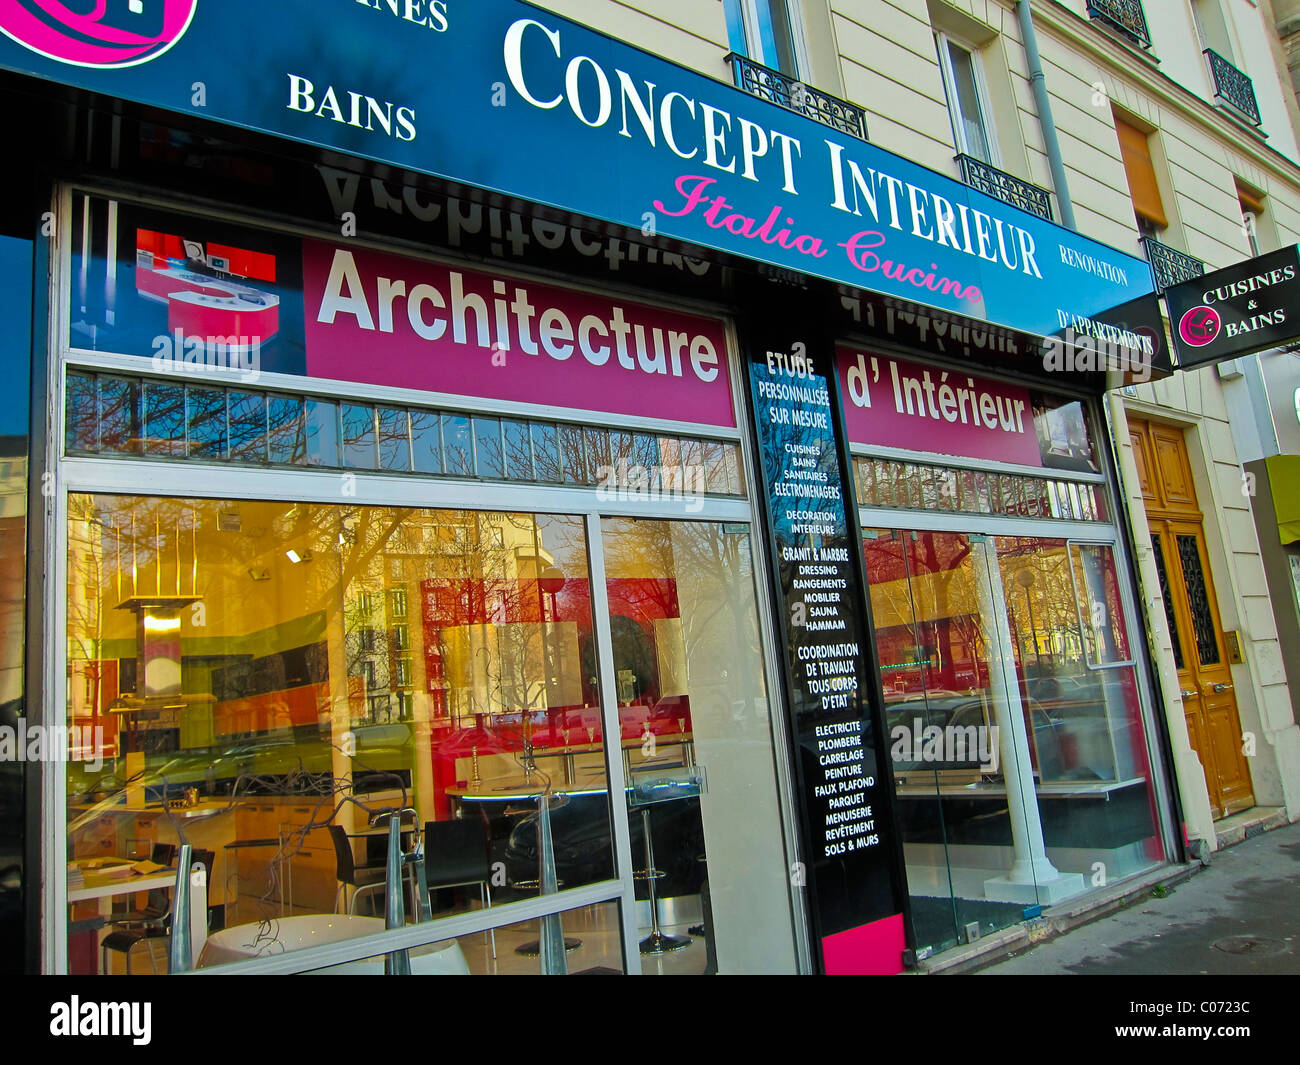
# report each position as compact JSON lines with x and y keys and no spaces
{"x":1135,"y":149}
{"x":1250,"y":201}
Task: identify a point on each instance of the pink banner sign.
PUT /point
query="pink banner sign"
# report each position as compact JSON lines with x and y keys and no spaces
{"x":388,"y":320}
{"x":893,"y":402}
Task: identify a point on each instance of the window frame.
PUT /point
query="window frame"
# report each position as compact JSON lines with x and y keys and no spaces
{"x":751,"y":32}
{"x":956,"y":116}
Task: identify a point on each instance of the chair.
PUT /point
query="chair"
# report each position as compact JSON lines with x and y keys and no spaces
{"x":363,"y":879}
{"x":124,"y":940}
{"x":157,"y":904}
{"x":456,"y":855}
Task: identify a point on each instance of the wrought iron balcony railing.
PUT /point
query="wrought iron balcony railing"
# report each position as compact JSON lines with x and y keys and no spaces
{"x":1169,"y":266}
{"x":1126,"y":16}
{"x":1233,"y":87}
{"x":775,"y":87}
{"x":1006,"y":187}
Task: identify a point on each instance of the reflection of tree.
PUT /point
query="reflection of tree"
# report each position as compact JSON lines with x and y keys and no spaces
{"x":693,"y":571}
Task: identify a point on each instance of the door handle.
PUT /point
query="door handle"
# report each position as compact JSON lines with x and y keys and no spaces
{"x":1187,"y":694}
{"x":1219,"y":689}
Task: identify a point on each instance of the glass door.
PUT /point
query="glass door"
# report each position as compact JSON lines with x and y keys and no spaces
{"x":695,"y":734}
{"x":945,"y":687}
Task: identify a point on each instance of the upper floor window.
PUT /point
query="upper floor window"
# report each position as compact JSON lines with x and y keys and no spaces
{"x":1252,"y":216}
{"x":764,"y":31}
{"x":1143,"y":187}
{"x":963,"y":82}
{"x":1212,"y":26}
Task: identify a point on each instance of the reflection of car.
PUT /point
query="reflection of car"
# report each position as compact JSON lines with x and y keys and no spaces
{"x":1077,"y":709}
{"x":944,"y":710}
{"x":382,"y":749}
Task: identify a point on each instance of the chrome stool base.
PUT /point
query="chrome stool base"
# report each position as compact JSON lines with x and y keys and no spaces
{"x":658,"y":943}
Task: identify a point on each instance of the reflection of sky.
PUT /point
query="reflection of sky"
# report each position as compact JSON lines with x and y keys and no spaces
{"x":15,"y":339}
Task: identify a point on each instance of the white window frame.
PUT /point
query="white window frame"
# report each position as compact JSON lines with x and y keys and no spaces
{"x":759,"y":29}
{"x":942,"y":43}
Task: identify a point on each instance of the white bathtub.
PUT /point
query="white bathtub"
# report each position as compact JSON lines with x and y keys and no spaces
{"x":284,"y":934}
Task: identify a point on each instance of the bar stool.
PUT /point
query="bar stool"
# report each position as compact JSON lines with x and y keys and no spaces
{"x":656,"y":942}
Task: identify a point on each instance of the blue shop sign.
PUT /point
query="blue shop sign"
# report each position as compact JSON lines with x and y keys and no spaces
{"x":510,"y":98}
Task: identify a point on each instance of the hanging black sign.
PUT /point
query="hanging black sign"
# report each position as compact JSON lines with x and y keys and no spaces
{"x":840,"y":759}
{"x":1246,"y":308}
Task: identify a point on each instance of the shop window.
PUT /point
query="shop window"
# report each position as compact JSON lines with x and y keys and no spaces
{"x":1007,"y":658}
{"x":231,"y":717}
{"x":764,"y":31}
{"x":967,"y":100}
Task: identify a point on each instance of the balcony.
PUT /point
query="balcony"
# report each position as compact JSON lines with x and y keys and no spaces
{"x":1232,"y":87}
{"x":1126,"y":16}
{"x":775,"y":87}
{"x":1006,"y":187}
{"x":1169,"y":266}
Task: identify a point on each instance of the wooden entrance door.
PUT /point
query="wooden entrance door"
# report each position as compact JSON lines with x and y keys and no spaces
{"x":1192,"y":613}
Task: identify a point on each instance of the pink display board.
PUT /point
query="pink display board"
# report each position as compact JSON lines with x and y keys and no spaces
{"x":897,"y":403}
{"x":874,"y":949}
{"x":388,"y":320}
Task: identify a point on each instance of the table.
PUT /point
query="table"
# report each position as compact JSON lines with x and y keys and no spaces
{"x":103,"y":889}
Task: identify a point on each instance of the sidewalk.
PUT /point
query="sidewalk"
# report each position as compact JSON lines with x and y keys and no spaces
{"x":1239,"y":916}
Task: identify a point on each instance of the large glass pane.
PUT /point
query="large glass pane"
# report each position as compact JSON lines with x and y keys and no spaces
{"x":15,"y":431}
{"x":247,"y":426}
{"x":457,"y":445}
{"x":489,"y":455}
{"x":900,"y":640}
{"x":81,"y":427}
{"x":119,"y":415}
{"x":270,"y":680}
{"x":426,"y":442}
{"x":322,"y":437}
{"x":206,"y":414}
{"x":1087,"y":741}
{"x":286,"y":436}
{"x":394,"y":439}
{"x":945,"y":707}
{"x":359,"y":442}
{"x":697,"y":748}
{"x":164,"y":419}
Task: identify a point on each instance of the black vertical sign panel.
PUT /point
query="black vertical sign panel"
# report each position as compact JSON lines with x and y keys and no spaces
{"x":853,"y":869}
